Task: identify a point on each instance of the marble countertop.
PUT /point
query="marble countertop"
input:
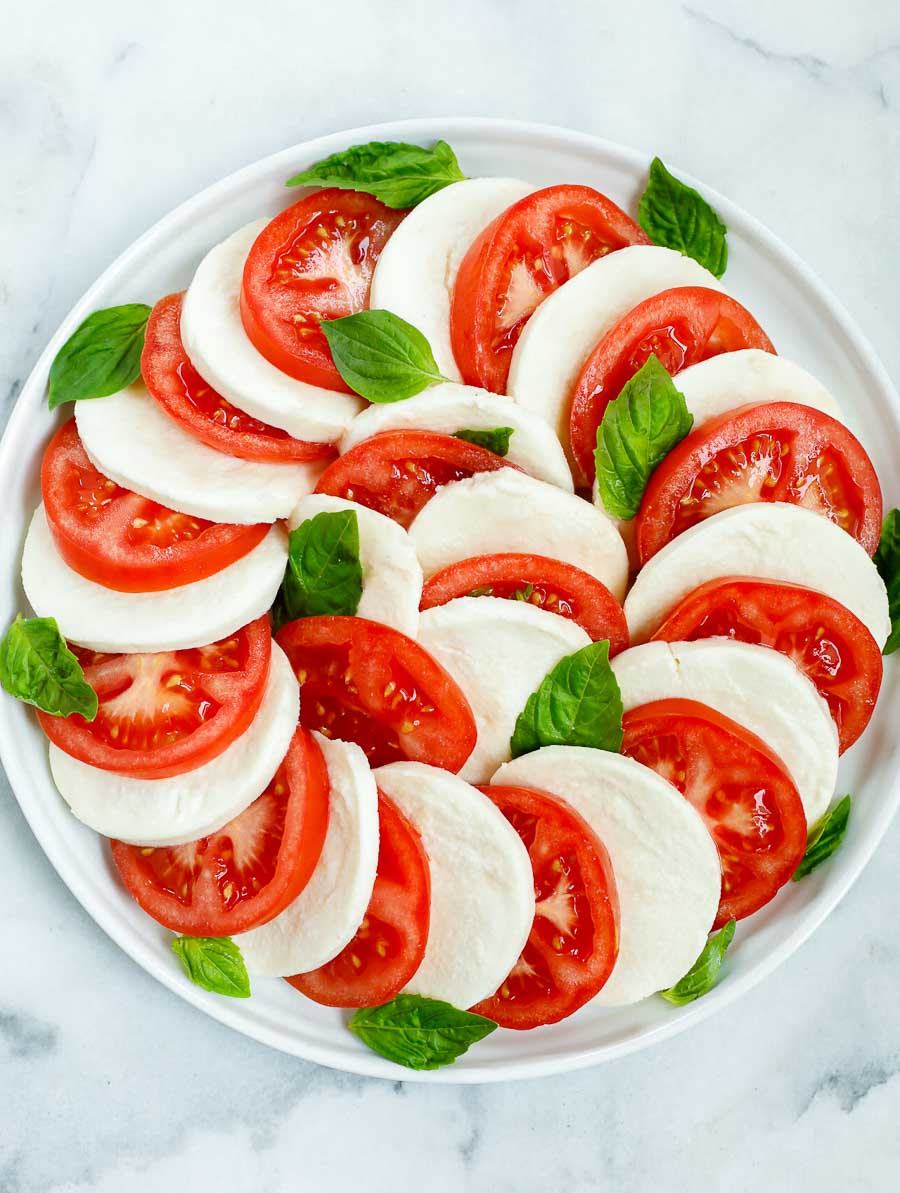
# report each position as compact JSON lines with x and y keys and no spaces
{"x":109,"y":115}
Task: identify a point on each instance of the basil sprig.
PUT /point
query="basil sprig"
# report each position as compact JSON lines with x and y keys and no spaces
{"x":639,"y":429}
{"x":825,"y":838}
{"x":213,"y":962}
{"x":36,"y":666}
{"x":381,"y":356}
{"x":495,"y":439}
{"x":324,"y":573}
{"x":397,"y":174}
{"x":704,"y":974}
{"x":100,"y":357}
{"x":419,"y":1033}
{"x":678,"y":217}
{"x":887,"y":560}
{"x":577,"y":704}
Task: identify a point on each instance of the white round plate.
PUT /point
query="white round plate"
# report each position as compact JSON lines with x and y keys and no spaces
{"x":806,"y":324}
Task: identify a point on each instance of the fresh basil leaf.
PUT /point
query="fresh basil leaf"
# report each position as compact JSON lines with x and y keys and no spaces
{"x":887,"y":560}
{"x":324,"y":573}
{"x":37,"y":666}
{"x":495,"y":439}
{"x":639,"y":428}
{"x":825,"y":838}
{"x":381,"y":356}
{"x":101,"y":357}
{"x":420,"y":1033}
{"x":397,"y":174}
{"x":678,"y":217}
{"x":213,"y":962}
{"x":577,"y":704}
{"x":705,"y":972}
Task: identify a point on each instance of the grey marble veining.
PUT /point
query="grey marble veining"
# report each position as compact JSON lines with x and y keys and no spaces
{"x":109,"y":115}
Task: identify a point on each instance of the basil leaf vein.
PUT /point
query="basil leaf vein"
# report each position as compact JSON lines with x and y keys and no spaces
{"x":495,"y":439}
{"x":825,"y":838}
{"x":213,"y":962}
{"x":887,"y":560}
{"x":419,"y":1033}
{"x":324,"y":573}
{"x":676,"y":216}
{"x":381,"y":356}
{"x":397,"y":174}
{"x":705,"y":973}
{"x":37,"y":667}
{"x":101,"y":356}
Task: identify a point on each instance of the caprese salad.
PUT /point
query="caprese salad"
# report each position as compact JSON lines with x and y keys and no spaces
{"x":451,"y":603}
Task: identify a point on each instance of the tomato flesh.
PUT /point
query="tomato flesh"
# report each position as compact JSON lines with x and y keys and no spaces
{"x":549,"y":584}
{"x":398,"y":472}
{"x":390,"y":942}
{"x":250,"y":870}
{"x":777,"y":451}
{"x":827,"y":642}
{"x":525,"y":254}
{"x":364,"y":682}
{"x":164,"y":714}
{"x":680,"y":327}
{"x":314,"y":261}
{"x":574,"y":940}
{"x":740,"y":788}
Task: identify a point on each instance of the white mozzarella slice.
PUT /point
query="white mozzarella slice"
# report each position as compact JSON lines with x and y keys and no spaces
{"x":326,"y":914}
{"x":561,"y":334}
{"x":416,"y":272}
{"x":498,"y":651}
{"x":450,"y":408}
{"x":507,"y":510}
{"x":138,"y":622}
{"x":392,"y":574}
{"x":131,"y":439}
{"x":223,"y":355}
{"x":665,"y":864}
{"x":173,"y":811}
{"x":755,"y":686}
{"x":771,"y":540}
{"x":749,"y":377}
{"x":482,"y":884}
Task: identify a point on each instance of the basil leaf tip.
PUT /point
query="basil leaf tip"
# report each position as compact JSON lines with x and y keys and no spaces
{"x":101,"y":356}
{"x":37,"y":667}
{"x":214,"y":963}
{"x":495,"y":439}
{"x":397,"y":174}
{"x":825,"y":838}
{"x":381,"y":356}
{"x":705,"y":973}
{"x":676,"y":216}
{"x":887,"y":560}
{"x":324,"y":573}
{"x":419,"y":1033}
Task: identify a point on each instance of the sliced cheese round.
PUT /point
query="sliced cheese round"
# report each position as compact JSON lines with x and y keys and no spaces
{"x":482,"y":884}
{"x":131,"y":439}
{"x":392,"y":574}
{"x":663,"y":858}
{"x":223,"y":355}
{"x":498,"y":651}
{"x":135,"y":622}
{"x":771,"y":540}
{"x":507,"y":510}
{"x":186,"y":807}
{"x":416,"y":272}
{"x":450,"y":408}
{"x":756,"y":686}
{"x":326,"y":914}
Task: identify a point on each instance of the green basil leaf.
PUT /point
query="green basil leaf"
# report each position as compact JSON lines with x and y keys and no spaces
{"x":101,"y":357}
{"x":639,"y":428}
{"x":678,"y":217}
{"x":420,"y":1033}
{"x":324,"y":573}
{"x":495,"y":439}
{"x":705,"y":972}
{"x":381,"y":356}
{"x":397,"y":174}
{"x":887,"y":560}
{"x":825,"y":838}
{"x":37,"y":666}
{"x":213,"y":962}
{"x":577,"y":704}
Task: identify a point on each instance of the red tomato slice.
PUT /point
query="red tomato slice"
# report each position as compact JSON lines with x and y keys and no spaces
{"x":314,"y":261}
{"x":740,"y":788}
{"x":198,"y":409}
{"x":518,"y":260}
{"x":826,"y":641}
{"x":546,"y":583}
{"x":390,"y":942}
{"x":364,"y":682}
{"x":123,"y":541}
{"x":574,"y":940}
{"x":248,"y":871}
{"x":681,"y":327}
{"x":397,"y":472}
{"x":168,"y":713}
{"x":779,"y":451}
